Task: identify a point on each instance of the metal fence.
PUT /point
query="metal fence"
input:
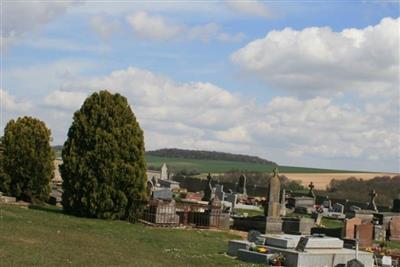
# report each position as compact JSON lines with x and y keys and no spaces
{"x":164,"y":213}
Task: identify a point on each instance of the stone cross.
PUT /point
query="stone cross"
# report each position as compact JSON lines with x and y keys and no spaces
{"x":164,"y":172}
{"x":371,"y":204}
{"x":207,"y":189}
{"x":273,"y":198}
{"x":241,"y":186}
{"x":311,"y":191}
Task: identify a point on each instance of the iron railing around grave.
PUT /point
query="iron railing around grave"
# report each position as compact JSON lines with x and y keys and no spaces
{"x":172,"y":213}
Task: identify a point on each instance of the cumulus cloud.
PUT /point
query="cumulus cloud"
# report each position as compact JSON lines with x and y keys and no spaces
{"x":11,"y":104}
{"x":23,"y":17}
{"x":249,"y":7}
{"x":204,"y":116}
{"x":65,"y":100}
{"x":104,"y":27}
{"x":320,"y":61}
{"x":155,"y":27}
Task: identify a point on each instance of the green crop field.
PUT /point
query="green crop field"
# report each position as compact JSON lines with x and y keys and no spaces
{"x":219,"y":166}
{"x":44,"y":236}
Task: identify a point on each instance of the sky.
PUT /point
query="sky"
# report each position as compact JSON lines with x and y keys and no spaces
{"x":301,"y":83}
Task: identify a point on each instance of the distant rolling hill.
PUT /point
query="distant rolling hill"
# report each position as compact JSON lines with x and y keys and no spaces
{"x":215,"y":162}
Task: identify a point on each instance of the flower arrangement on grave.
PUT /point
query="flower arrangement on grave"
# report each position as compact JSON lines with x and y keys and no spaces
{"x":259,"y":249}
{"x":277,"y":260}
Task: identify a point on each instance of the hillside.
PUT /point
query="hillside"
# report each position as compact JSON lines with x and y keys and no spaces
{"x":207,"y":155}
{"x":220,"y":166}
{"x":44,"y":236}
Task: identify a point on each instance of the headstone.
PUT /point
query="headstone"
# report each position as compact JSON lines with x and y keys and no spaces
{"x":365,"y":235}
{"x":241,"y":186}
{"x":301,"y":245}
{"x":273,"y":197}
{"x":162,"y":193}
{"x":232,"y":198}
{"x":235,"y":245}
{"x":371,"y":204}
{"x":379,"y":233}
{"x":273,"y":208}
{"x":149,"y":188}
{"x":337,"y":207}
{"x":311,"y":190}
{"x":394,"y":228}
{"x":164,"y":172}
{"x":327,"y":203}
{"x":252,"y":235}
{"x":396,"y":204}
{"x":349,"y":227}
{"x":386,"y":261}
{"x":305,"y":225}
{"x":219,"y":192}
{"x":207,"y":189}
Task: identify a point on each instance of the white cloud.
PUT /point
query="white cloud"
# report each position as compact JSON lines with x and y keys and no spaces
{"x":10,"y":104}
{"x":65,"y":100}
{"x":104,"y":27}
{"x":158,"y":28}
{"x":204,"y":116}
{"x":153,"y":27}
{"x":320,"y":61}
{"x":24,"y":17}
{"x":249,"y":7}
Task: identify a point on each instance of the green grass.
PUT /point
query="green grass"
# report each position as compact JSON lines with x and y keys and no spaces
{"x":219,"y":166}
{"x":47,"y":237}
{"x":332,"y":223}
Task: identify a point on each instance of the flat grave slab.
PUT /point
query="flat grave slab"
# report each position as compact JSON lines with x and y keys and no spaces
{"x":290,"y":241}
{"x":235,"y":245}
{"x":253,"y":256}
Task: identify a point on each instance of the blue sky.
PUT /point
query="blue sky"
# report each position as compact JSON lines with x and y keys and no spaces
{"x":301,"y":83}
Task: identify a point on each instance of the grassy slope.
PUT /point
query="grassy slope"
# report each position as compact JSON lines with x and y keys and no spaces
{"x":49,"y":238}
{"x":219,"y":166}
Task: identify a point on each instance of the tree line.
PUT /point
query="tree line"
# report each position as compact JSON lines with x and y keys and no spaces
{"x":103,"y":169}
{"x":208,"y":155}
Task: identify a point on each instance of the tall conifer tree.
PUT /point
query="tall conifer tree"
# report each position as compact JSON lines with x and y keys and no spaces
{"x":104,"y":170}
{"x":27,"y":159}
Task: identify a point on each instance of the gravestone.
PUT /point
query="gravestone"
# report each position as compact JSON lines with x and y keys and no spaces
{"x":305,"y":225}
{"x":273,"y":206}
{"x":394,"y":227}
{"x":379,"y":233}
{"x":219,"y":192}
{"x":301,"y":245}
{"x":164,"y":172}
{"x":207,"y":189}
{"x":327,"y":203}
{"x":349,"y":227}
{"x":241,"y":186}
{"x":232,"y":198}
{"x":253,"y":235}
{"x":366,"y":232}
{"x":162,"y":193}
{"x":371,"y":204}
{"x":311,"y":190}
{"x":235,"y":245}
{"x":396,"y":204}
{"x":337,"y":207}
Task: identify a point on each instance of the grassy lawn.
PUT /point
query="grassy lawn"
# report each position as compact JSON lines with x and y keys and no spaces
{"x":220,"y":166}
{"x":47,"y":237}
{"x":332,"y":223}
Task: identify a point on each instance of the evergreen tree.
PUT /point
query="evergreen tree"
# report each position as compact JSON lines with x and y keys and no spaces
{"x":104,"y":170}
{"x":4,"y":179}
{"x":27,"y":159}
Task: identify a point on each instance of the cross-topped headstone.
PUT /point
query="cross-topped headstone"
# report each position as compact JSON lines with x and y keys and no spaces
{"x":371,"y":204}
{"x":311,"y":191}
{"x":208,"y":189}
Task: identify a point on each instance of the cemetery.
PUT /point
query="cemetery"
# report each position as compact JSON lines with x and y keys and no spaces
{"x":283,"y":229}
